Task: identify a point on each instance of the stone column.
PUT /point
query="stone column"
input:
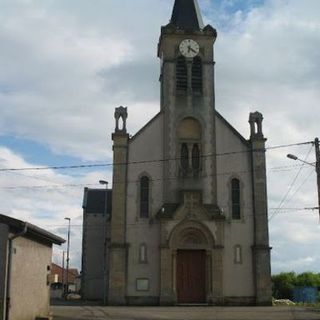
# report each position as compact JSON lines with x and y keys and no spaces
{"x":209,"y":277}
{"x":217,"y":275}
{"x":118,"y":246}
{"x":261,"y":248}
{"x":4,"y":233}
{"x":167,"y":296}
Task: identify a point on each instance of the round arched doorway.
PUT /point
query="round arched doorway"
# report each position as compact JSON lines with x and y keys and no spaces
{"x":192,"y":245}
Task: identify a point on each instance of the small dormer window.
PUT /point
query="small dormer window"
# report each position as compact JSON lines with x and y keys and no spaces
{"x":181,"y":74}
{"x":197,"y":75}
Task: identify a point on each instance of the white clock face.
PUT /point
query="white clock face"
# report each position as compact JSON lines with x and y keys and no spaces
{"x":189,"y":48}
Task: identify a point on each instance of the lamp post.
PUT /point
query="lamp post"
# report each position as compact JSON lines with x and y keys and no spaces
{"x":103,"y":182}
{"x":62,"y":276}
{"x":68,"y":255}
{"x":316,"y":165}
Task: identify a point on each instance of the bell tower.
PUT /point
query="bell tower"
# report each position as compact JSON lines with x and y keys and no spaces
{"x":187,"y":101}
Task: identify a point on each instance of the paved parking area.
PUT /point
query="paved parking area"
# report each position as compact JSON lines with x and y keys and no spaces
{"x":183,"y":313}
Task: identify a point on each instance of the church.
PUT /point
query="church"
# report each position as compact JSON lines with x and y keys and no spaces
{"x":186,"y":220}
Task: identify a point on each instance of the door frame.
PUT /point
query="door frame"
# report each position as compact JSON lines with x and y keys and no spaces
{"x":204,"y":268}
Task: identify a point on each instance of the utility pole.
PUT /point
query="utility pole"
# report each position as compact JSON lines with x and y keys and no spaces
{"x":317,"y":166}
{"x":62,"y":275}
{"x":68,"y":254}
{"x":317,"y":149}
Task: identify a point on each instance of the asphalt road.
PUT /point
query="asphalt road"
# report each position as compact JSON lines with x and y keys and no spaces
{"x":183,"y":313}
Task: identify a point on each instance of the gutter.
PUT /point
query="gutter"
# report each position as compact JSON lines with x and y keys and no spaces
{"x":25,"y":229}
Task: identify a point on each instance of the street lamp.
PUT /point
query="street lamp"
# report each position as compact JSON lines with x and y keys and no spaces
{"x":103,"y":182}
{"x":68,"y":253}
{"x":293,"y":157}
{"x":316,"y":165}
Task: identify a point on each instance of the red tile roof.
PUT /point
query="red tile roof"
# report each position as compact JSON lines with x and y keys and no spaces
{"x":72,"y":274}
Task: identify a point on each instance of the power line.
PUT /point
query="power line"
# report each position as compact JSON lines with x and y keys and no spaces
{"x":49,"y":186}
{"x":283,"y":200}
{"x":56,"y":167}
{"x":39,"y":187}
{"x":302,"y":184}
{"x":100,"y":226}
{"x":86,"y":166}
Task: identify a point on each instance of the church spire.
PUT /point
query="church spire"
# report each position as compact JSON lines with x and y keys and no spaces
{"x":186,"y":15}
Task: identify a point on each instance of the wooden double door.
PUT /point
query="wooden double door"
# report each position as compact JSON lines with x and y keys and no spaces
{"x":191,"y":276}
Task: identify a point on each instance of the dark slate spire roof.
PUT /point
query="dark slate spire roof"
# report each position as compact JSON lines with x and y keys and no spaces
{"x":186,"y":15}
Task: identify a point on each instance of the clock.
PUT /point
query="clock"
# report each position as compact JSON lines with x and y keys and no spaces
{"x":189,"y":48}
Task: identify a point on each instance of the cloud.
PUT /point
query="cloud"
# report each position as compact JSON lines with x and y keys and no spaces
{"x":65,"y":66}
{"x":301,"y":265}
{"x":45,"y":198}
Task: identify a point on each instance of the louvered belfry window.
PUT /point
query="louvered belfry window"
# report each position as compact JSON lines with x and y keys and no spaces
{"x":235,"y":194}
{"x":181,"y":74}
{"x":184,"y":156}
{"x":144,"y":197}
{"x":195,"y":157}
{"x":197,"y":75}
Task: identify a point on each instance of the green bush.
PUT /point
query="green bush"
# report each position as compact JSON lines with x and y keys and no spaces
{"x":284,"y":283}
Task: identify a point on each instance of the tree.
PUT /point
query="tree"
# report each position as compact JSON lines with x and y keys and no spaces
{"x":283,"y":284}
{"x":308,"y":279}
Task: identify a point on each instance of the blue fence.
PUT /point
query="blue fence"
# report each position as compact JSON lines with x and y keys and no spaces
{"x":305,"y":294}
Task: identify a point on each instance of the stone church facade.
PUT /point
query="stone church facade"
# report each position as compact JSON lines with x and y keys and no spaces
{"x":189,"y":200}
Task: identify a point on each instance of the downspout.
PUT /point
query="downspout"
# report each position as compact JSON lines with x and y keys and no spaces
{"x":25,"y":229}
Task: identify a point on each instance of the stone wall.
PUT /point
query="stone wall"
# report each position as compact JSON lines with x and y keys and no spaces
{"x":3,"y":266}
{"x":93,"y":256}
{"x":29,"y":290}
{"x":238,"y":277}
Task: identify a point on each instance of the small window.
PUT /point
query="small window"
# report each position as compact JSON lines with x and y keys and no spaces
{"x":181,"y":74}
{"x":195,"y":157}
{"x":197,"y":75}
{"x":144,"y":197}
{"x":143,"y":253}
{"x":238,"y":255}
{"x":142,"y":284}
{"x":184,"y":156}
{"x":235,"y":195}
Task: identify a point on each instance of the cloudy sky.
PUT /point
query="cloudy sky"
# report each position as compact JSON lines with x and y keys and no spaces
{"x":65,"y":66}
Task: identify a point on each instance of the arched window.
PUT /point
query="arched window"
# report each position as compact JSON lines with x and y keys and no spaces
{"x":195,"y":157}
{"x":181,"y":74}
{"x":235,"y":197}
{"x":144,"y":197}
{"x":197,"y":75}
{"x":184,"y":156}
{"x":238,"y":254}
{"x":143,"y":253}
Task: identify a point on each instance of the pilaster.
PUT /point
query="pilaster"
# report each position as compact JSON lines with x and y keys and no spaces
{"x":217,"y":275}
{"x":261,"y":248}
{"x":118,"y":246}
{"x":167,"y":295}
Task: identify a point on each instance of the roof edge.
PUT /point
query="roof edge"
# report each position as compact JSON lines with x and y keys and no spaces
{"x":145,"y":126}
{"x":235,"y":131}
{"x":32,"y":230}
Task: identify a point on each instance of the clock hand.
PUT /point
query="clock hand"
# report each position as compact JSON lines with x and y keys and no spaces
{"x":191,"y":49}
